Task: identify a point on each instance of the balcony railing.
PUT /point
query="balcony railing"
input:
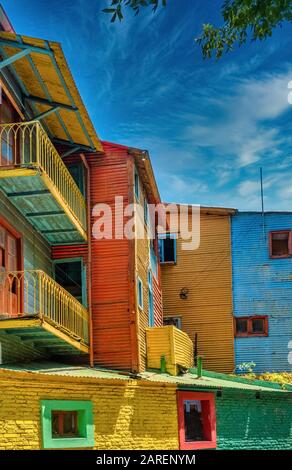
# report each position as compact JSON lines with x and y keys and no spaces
{"x":34,"y":293}
{"x":26,"y":145}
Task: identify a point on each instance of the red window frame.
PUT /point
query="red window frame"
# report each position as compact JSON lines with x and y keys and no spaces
{"x":60,"y":415}
{"x":249,"y":332}
{"x":209,"y":420}
{"x":289,"y":254}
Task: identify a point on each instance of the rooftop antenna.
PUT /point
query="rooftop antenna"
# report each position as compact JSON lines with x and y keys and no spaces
{"x":262,"y":201}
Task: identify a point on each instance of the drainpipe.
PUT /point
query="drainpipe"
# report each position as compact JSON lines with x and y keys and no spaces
{"x":89,"y":259}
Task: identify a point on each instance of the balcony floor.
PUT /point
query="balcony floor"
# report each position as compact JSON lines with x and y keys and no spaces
{"x":44,"y":335}
{"x":41,"y":204}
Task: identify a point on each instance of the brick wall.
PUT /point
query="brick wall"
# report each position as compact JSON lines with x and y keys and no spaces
{"x":244,"y":422}
{"x":136,"y":415}
{"x":127,"y":415}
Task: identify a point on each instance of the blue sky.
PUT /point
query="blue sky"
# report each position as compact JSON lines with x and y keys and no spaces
{"x":208,"y":125}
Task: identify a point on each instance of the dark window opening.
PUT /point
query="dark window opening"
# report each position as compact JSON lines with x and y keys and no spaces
{"x":64,"y":424}
{"x":77,"y":173}
{"x":281,"y":244}
{"x":69,"y":275}
{"x":194,"y":429}
{"x":174,"y":321}
{"x":167,"y":249}
{"x":241,"y":325}
{"x":258,"y":325}
{"x":136,"y":184}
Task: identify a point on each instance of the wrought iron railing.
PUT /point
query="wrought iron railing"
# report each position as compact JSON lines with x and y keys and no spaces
{"x":27,"y":145}
{"x":34,"y":293}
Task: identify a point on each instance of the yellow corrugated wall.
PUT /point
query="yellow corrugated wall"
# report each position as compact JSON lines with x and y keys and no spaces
{"x":173,"y":344}
{"x":206,"y":273}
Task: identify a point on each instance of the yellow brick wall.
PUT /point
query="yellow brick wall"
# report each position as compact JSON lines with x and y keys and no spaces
{"x":127,"y":415}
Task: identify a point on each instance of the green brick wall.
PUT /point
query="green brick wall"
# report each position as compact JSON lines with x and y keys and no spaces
{"x":245,"y":422}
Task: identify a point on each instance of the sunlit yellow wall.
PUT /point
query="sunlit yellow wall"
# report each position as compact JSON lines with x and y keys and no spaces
{"x":127,"y":415}
{"x":173,"y":344}
{"x":206,"y":273}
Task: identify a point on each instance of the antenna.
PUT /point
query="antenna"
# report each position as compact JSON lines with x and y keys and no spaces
{"x":262,"y":201}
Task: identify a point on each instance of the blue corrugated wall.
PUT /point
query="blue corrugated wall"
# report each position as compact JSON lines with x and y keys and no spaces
{"x":262,"y":286}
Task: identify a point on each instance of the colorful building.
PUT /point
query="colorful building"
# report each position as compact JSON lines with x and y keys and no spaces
{"x":262,"y":289}
{"x":197,"y":287}
{"x":148,"y":411}
{"x":85,"y":359}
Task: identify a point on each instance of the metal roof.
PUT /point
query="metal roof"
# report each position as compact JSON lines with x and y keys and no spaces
{"x":210,"y":380}
{"x":40,"y":67}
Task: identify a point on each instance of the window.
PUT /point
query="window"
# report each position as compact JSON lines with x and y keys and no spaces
{"x":197,"y":420}
{"x":251,"y":326}
{"x":67,"y":424}
{"x":281,"y":244}
{"x":136,"y":185}
{"x":151,"y":319}
{"x":64,"y":423}
{"x":140,"y":293}
{"x":70,"y":274}
{"x":167,"y":248}
{"x":175,"y":321}
{"x":77,"y":172}
{"x":145,"y":211}
{"x":7,"y":115}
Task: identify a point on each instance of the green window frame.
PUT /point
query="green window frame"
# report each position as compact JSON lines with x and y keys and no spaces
{"x":84,"y":410}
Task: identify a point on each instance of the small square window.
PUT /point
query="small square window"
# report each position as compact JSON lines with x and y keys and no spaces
{"x":140,"y":293}
{"x":257,"y":326}
{"x":281,"y":244}
{"x":167,"y":248}
{"x":67,"y":424}
{"x":197,"y":420}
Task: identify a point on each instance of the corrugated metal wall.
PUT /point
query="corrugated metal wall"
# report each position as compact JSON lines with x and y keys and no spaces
{"x":113,"y":342}
{"x":262,"y":286}
{"x":206,"y":273}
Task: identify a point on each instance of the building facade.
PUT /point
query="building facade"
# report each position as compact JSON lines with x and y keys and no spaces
{"x":262,"y":289}
{"x":197,"y":287}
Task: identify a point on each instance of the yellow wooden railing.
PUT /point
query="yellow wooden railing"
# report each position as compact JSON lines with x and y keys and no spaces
{"x":34,"y":293}
{"x":27,"y":145}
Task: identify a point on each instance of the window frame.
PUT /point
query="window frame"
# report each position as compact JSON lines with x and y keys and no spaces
{"x":161,"y":238}
{"x":289,"y":254}
{"x":83,"y":275}
{"x":249,"y":333}
{"x":182,"y":396}
{"x":136,"y":185}
{"x":61,"y":415}
{"x":140,"y":284}
{"x":84,"y":411}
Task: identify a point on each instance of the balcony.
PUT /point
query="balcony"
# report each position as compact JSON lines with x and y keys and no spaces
{"x":169,"y":348}
{"x":37,"y":182}
{"x":38,"y":310}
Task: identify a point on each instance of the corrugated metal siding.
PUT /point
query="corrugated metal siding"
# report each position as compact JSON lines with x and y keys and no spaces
{"x":173,"y":344}
{"x":206,"y":273}
{"x":262,"y":286}
{"x":143,"y":264}
{"x":112,"y":343}
{"x":70,"y":251}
